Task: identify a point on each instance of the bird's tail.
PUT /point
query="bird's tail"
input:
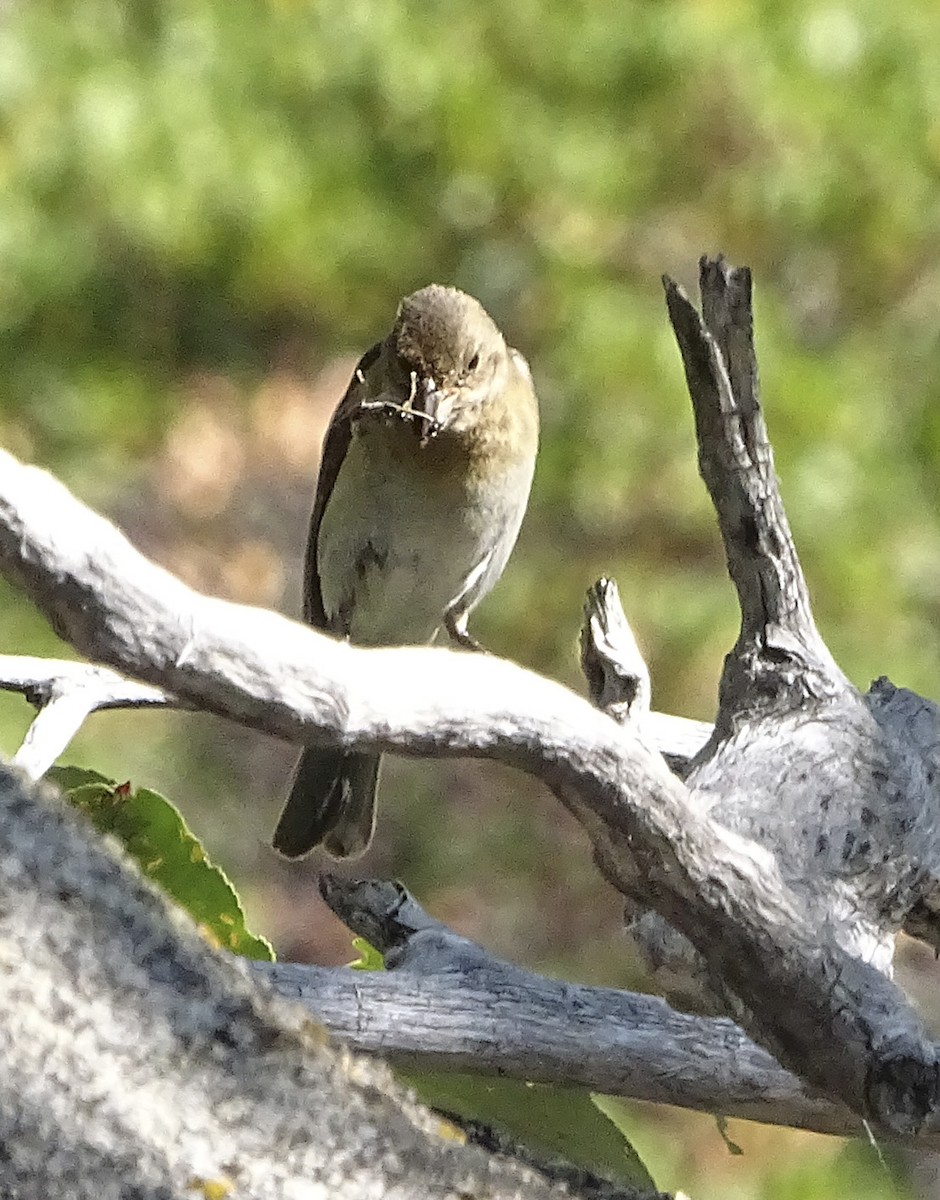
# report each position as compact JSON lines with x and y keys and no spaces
{"x":331,"y":803}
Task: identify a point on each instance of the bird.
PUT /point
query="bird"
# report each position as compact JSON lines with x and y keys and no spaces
{"x":424,"y":480}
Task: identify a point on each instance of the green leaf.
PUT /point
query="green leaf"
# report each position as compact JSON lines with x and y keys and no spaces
{"x":559,"y":1122}
{"x":155,"y":835}
{"x":369,"y":958}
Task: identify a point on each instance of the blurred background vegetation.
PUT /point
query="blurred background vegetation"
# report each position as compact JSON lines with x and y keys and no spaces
{"x":208,"y":211}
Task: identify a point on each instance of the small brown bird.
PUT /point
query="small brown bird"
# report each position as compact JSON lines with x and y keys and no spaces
{"x":423,"y":484}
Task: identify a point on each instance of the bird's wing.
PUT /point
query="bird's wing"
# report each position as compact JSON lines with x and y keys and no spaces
{"x":335,"y":445}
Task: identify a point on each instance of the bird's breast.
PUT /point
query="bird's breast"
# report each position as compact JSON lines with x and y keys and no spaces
{"x":407,"y":524}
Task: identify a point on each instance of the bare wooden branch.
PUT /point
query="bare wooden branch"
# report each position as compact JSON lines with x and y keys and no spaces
{"x":619,"y":1044}
{"x":94,"y":688}
{"x":736,"y":462}
{"x":66,"y":694}
{"x":138,"y":1061}
{"x":797,"y":762}
{"x":424,"y":1012}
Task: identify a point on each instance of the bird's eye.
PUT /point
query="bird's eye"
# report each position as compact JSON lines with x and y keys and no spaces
{"x":473,"y":363}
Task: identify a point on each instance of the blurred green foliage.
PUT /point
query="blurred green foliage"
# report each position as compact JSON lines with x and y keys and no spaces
{"x":203,"y":204}
{"x":186,"y":189}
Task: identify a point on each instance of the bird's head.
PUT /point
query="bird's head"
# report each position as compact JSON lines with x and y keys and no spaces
{"x":451,"y":353}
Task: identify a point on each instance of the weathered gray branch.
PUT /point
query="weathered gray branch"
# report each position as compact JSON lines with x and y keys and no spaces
{"x":424,"y":1012}
{"x":66,"y":694}
{"x":139,"y":1061}
{"x":797,"y":762}
{"x":529,"y":1027}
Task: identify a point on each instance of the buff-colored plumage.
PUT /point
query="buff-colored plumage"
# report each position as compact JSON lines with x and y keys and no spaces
{"x":423,"y":484}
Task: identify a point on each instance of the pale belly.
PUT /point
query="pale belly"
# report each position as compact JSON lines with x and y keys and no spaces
{"x":395,"y":554}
